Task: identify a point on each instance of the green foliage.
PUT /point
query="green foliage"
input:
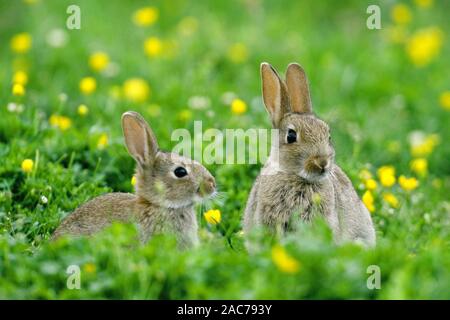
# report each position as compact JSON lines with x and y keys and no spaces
{"x":363,"y":84}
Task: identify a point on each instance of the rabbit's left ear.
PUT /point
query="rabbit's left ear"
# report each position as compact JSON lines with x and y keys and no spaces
{"x":139,"y":138}
{"x":298,"y":88}
{"x":275,"y":94}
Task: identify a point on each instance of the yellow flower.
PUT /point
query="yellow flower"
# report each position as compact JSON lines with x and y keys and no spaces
{"x":21,"y":42}
{"x":98,"y":61}
{"x":238,"y":106}
{"x":284,"y":261}
{"x":389,"y":170}
{"x":88,"y":85}
{"x":61,"y":122}
{"x":102,"y":141}
{"x":133,"y":180}
{"x":54,"y":120}
{"x":386,"y":175}
{"x":424,"y":46}
{"x":408,"y":184}
{"x":64,"y":123}
{"x":368,"y":200}
{"x":424,"y":146}
{"x":153,"y":46}
{"x":27,"y":165}
{"x":444,"y":100}
{"x":365,"y":174}
{"x":89,"y":268}
{"x":136,"y":90}
{"x":20,"y":77}
{"x":391,"y":200}
{"x":424,"y":3}
{"x":82,"y":110}
{"x":422,"y":149}
{"x":145,"y":16}
{"x":18,"y":90}
{"x":401,"y":14}
{"x":238,"y":53}
{"x":188,"y":26}
{"x":387,"y":180}
{"x":213,"y":216}
{"x":185,"y":115}
{"x":371,"y":184}
{"x":419,"y":166}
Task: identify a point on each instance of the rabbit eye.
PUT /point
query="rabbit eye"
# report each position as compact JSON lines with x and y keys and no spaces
{"x":291,"y":136}
{"x":180,"y":172}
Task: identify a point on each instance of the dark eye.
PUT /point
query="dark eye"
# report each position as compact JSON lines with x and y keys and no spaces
{"x":291,"y":136}
{"x":180,"y":172}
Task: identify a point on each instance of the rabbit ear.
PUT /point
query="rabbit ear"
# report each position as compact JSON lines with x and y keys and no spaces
{"x":298,"y":88}
{"x":275,"y":94}
{"x":139,"y":138}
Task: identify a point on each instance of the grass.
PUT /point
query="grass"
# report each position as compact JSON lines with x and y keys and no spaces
{"x":364,"y":84}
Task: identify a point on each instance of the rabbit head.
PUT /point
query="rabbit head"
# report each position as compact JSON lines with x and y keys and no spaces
{"x":163,"y":178}
{"x":304,"y":146}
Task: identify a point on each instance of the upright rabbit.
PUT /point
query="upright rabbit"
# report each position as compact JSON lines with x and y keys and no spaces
{"x":167,"y":185}
{"x":301,"y":167}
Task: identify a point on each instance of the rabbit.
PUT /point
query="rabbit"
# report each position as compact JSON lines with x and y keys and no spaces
{"x":300,"y":173}
{"x":167,"y":186}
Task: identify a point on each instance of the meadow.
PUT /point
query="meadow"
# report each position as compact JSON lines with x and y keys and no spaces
{"x":385,"y":93}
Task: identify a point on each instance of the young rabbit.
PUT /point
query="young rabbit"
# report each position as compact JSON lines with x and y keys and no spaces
{"x":167,"y":185}
{"x":301,"y":167}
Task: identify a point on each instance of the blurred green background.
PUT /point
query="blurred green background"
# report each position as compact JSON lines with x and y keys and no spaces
{"x":385,"y":94}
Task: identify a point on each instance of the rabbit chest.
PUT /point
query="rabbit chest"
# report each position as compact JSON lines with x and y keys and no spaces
{"x":180,"y":222}
{"x":283,"y":194}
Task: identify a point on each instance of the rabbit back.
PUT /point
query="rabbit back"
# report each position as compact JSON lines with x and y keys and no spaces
{"x":354,"y":219}
{"x":101,"y":212}
{"x":97,"y":214}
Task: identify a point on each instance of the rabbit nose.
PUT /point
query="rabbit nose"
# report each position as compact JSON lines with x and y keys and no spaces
{"x":207,"y":186}
{"x":211,"y":182}
{"x":321,"y":165}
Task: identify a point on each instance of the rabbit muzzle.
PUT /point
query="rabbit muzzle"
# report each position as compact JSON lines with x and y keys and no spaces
{"x":207,"y":187}
{"x":318,"y":166}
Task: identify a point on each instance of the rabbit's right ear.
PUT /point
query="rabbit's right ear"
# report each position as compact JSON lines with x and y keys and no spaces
{"x":275,"y":94}
{"x":139,"y":138}
{"x":298,"y":88}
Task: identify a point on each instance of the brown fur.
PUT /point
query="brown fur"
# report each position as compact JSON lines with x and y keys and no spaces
{"x":304,"y":171}
{"x":162,"y":204}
